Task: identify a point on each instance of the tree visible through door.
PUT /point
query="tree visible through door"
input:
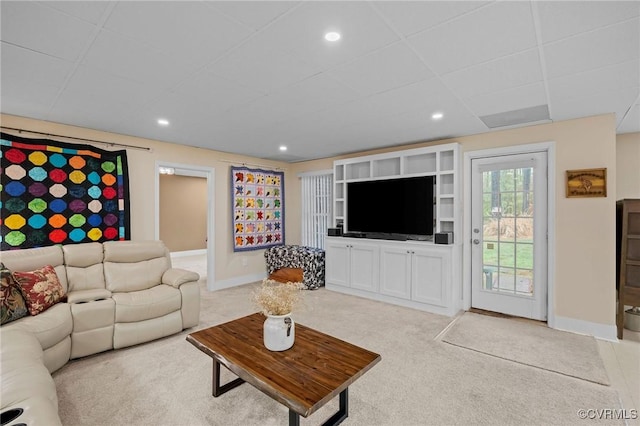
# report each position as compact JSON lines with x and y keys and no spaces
{"x":505,"y":235}
{"x":507,"y":227}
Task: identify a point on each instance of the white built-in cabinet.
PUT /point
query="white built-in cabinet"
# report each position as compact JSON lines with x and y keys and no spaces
{"x":348,"y":263}
{"x":416,"y":274}
{"x":408,"y":273}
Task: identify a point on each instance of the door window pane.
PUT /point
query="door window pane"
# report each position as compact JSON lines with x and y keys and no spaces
{"x":508,"y":231}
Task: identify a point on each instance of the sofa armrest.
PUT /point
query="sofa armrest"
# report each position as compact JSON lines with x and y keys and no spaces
{"x":91,"y":295}
{"x":175,"y":277}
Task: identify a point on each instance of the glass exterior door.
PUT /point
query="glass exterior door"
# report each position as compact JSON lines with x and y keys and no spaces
{"x":509,"y":234}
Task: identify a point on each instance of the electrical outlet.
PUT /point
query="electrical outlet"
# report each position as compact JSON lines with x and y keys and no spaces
{"x":245,"y":262}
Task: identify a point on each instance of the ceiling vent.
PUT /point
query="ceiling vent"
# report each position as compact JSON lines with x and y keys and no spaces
{"x":517,"y":116}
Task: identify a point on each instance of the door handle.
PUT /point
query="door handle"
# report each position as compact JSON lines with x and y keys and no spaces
{"x":476,"y":241}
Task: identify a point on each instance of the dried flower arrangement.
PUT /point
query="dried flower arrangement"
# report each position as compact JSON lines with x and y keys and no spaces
{"x":274,"y":298}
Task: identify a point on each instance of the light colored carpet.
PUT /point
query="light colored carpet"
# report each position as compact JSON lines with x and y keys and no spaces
{"x":530,"y":344}
{"x":420,"y":380}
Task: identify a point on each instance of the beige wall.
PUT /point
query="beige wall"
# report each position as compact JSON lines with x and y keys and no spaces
{"x":183,"y":212}
{"x":142,"y":164}
{"x":628,"y":166}
{"x":585,"y":227}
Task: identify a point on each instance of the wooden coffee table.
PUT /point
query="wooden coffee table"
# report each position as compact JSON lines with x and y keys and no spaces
{"x":303,"y":378}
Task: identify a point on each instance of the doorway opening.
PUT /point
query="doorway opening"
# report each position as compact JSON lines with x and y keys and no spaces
{"x":207,"y":173}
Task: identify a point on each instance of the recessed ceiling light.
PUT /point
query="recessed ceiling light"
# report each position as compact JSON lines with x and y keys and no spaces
{"x":332,"y":36}
{"x":437,"y":116}
{"x":283,"y":148}
{"x":163,"y":121}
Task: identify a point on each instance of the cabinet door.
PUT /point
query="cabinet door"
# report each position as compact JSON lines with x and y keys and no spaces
{"x":365,"y":259}
{"x":337,"y":263}
{"x":395,"y":272}
{"x":430,"y":276}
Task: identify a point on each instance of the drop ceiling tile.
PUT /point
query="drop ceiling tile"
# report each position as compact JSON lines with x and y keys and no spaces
{"x":37,"y":27}
{"x":133,"y":60}
{"x":631,"y":121}
{"x":218,"y":92}
{"x":28,"y":99}
{"x":24,"y":66}
{"x":260,"y":66}
{"x":611,"y":78}
{"x":354,"y":112}
{"x":508,"y":100}
{"x":308,"y":96}
{"x":611,"y":45}
{"x":385,"y":69}
{"x":429,"y":94}
{"x":419,"y":125}
{"x":90,"y":11}
{"x":594,"y":103}
{"x":206,"y":36}
{"x":302,"y":31}
{"x":410,"y":17}
{"x":255,"y":14}
{"x":90,"y":111}
{"x":508,"y":72}
{"x":497,"y":30}
{"x":111,"y":86}
{"x":411,"y":131}
{"x":561,"y":19}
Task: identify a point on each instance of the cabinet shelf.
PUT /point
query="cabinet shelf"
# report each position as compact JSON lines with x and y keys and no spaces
{"x":440,"y":161}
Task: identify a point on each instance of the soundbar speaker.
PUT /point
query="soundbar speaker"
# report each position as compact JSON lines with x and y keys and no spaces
{"x":443,"y":238}
{"x":335,"y":232}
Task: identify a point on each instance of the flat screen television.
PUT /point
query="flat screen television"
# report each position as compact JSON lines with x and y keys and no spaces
{"x":392,"y":206}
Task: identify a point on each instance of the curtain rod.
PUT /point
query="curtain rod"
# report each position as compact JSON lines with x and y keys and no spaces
{"x":78,"y":139}
{"x":244,"y":163}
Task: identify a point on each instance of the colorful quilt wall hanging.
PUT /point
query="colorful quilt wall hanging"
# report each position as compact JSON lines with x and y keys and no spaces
{"x":257,"y":208}
{"x":60,"y":193}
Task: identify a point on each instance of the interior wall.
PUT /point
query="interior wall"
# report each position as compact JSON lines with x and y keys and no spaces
{"x":628,"y":166}
{"x":229,"y":266}
{"x":183,"y":212}
{"x":585,"y":227}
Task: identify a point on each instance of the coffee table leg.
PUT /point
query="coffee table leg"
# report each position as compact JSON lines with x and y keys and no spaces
{"x":217,"y":389}
{"x":342,"y":413}
{"x":294,"y":418}
{"x":336,"y":419}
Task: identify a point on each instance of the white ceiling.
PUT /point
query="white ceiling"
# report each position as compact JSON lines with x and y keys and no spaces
{"x":247,"y":77}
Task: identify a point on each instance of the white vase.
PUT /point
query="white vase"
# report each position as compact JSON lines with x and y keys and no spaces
{"x":279,"y":332}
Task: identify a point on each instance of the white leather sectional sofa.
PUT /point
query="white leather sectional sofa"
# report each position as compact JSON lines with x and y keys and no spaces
{"x":118,"y":294}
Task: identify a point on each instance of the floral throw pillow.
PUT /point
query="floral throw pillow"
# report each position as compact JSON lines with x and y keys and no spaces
{"x":12,"y":304}
{"x":41,"y":288}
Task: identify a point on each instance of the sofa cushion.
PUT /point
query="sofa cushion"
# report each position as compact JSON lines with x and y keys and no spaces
{"x":84,"y":266}
{"x":147,"y":304}
{"x":13,"y":305}
{"x":41,"y":288}
{"x":23,"y":373}
{"x":134,"y":265}
{"x":34,"y":258}
{"x":50,"y":327}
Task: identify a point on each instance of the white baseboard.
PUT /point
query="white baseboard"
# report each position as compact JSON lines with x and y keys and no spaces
{"x":186,"y":253}
{"x":599,"y":331}
{"x":237,"y":281}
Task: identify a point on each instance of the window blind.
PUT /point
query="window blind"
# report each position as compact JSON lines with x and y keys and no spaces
{"x":317,"y":190}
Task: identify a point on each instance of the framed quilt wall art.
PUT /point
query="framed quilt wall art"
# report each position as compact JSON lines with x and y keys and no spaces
{"x":61,"y":193}
{"x":257,"y":208}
